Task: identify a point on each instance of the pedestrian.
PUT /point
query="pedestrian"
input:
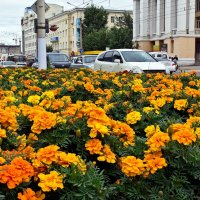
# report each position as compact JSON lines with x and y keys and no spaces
{"x":175,"y":59}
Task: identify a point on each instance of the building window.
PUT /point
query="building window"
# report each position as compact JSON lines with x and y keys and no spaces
{"x":198,"y":22}
{"x":197,"y":5}
{"x":112,"y":19}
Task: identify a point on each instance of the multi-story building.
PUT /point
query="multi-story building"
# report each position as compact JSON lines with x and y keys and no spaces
{"x":29,"y":37}
{"x":68,"y":36}
{"x":168,"y":25}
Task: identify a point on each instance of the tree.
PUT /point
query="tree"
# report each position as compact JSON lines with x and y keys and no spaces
{"x":126,"y":22}
{"x":49,"y":48}
{"x":94,"y":19}
{"x":120,"y":38}
{"x":96,"y":40}
{"x":121,"y":35}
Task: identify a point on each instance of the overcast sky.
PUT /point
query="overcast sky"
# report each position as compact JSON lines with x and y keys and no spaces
{"x":11,"y":12}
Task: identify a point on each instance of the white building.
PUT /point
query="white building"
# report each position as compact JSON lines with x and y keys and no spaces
{"x":29,"y":37}
{"x":168,"y":25}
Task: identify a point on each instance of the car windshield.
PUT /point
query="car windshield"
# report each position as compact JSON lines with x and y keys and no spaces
{"x":90,"y":59}
{"x":137,"y":56}
{"x":9,"y":63}
{"x":58,"y":58}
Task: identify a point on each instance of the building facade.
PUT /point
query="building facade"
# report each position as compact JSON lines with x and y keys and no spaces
{"x":29,"y":37}
{"x":168,"y":25}
{"x":68,"y":36}
{"x":9,"y":49}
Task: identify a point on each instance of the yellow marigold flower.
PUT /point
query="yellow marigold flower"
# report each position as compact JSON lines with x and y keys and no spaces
{"x":94,"y":146}
{"x":108,"y":155}
{"x":158,"y":103}
{"x":48,"y":154}
{"x":184,"y":136}
{"x":2,"y":133}
{"x":99,"y":128}
{"x":51,"y":181}
{"x":48,"y":95}
{"x":148,"y":109}
{"x":34,"y":99}
{"x":138,"y":88}
{"x":154,"y":162}
{"x":133,"y":117}
{"x":46,"y":103}
{"x":29,"y":194}
{"x":158,"y":140}
{"x":150,"y":130}
{"x":131,"y":166}
{"x":181,"y":104}
{"x":2,"y":160}
{"x":67,"y":159}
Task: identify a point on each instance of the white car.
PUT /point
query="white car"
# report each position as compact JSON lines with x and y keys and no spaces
{"x":83,"y":61}
{"x":9,"y":64}
{"x":163,"y":57}
{"x":137,"y":61}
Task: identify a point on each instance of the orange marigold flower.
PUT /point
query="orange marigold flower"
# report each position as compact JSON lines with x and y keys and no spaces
{"x":108,"y":155}
{"x":181,"y":104}
{"x":17,"y":172}
{"x":48,"y":154}
{"x":43,"y":120}
{"x":94,"y":146}
{"x":154,"y":162}
{"x":131,"y":166}
{"x":158,"y":140}
{"x":133,"y":117}
{"x":184,"y":136}
{"x":51,"y":181}
{"x":29,"y":194}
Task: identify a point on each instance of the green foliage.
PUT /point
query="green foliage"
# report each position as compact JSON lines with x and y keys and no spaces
{"x":49,"y":48}
{"x":95,"y":19}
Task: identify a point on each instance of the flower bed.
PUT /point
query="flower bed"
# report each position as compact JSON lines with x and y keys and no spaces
{"x":92,"y":135}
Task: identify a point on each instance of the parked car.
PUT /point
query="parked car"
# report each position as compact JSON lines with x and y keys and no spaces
{"x":163,"y":57}
{"x":55,"y":60}
{"x":83,"y":61}
{"x":137,"y":61}
{"x":59,"y":60}
{"x":11,"y":64}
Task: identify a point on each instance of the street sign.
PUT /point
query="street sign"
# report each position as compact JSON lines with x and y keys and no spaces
{"x":34,"y":7}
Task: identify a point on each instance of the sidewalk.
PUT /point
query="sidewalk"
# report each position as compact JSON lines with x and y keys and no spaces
{"x":196,"y":68}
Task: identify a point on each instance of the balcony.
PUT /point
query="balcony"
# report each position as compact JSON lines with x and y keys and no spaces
{"x":173,"y":31}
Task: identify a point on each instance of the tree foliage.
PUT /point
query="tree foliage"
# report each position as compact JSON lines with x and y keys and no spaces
{"x":96,"y":36}
{"x":96,"y":40}
{"x":95,"y":19}
{"x":49,"y":48}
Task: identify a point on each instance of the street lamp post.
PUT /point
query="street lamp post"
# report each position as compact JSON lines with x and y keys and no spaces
{"x":41,"y":33}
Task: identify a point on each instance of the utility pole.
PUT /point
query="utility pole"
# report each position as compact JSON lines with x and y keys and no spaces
{"x":41,"y":34}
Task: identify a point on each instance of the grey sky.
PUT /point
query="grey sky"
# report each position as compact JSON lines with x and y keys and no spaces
{"x":11,"y":12}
